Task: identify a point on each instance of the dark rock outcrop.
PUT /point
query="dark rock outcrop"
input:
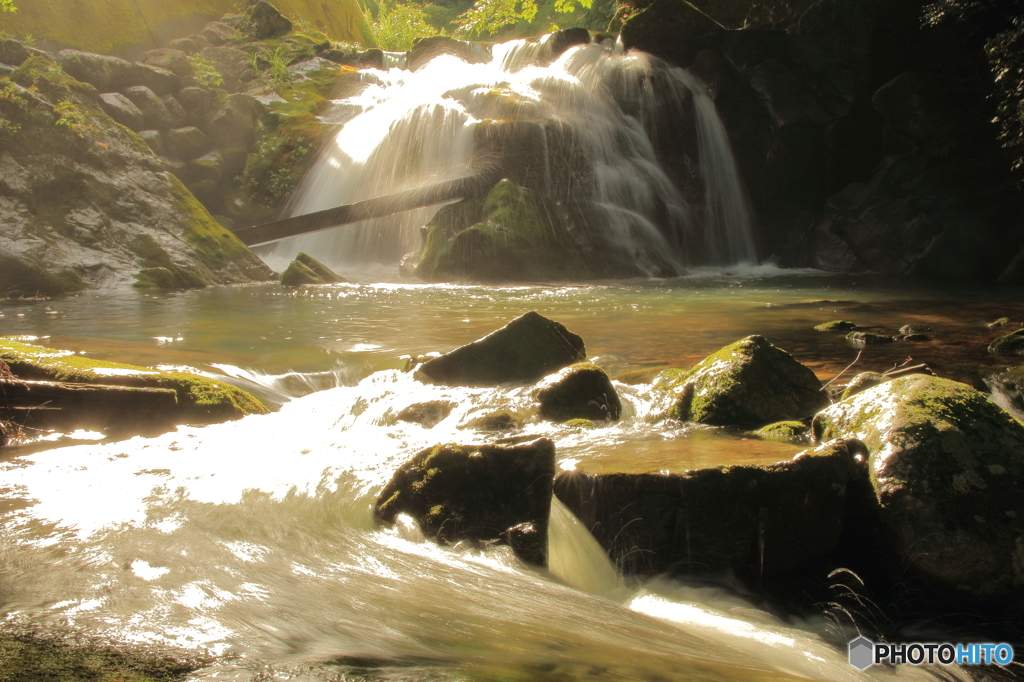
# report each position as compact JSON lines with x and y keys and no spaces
{"x":263,"y":21}
{"x":752,"y":523}
{"x":580,"y":391}
{"x":477,"y":493}
{"x":946,"y":466}
{"x":522,"y":352}
{"x":1008,"y":344}
{"x":748,"y":383}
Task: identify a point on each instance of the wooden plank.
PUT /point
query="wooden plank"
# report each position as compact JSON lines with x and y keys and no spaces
{"x":364,"y":210}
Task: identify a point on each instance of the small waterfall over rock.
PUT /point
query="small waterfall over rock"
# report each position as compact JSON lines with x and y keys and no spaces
{"x":626,"y":151}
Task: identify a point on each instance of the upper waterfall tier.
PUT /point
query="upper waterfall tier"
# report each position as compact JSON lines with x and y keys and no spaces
{"x":623,"y":165}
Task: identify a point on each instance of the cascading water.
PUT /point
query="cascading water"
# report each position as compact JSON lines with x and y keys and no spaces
{"x":596,"y":113}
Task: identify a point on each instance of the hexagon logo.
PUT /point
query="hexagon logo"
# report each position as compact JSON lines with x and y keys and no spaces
{"x":862,"y":653}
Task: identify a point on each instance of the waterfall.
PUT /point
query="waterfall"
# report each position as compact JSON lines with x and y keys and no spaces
{"x":592,"y":128}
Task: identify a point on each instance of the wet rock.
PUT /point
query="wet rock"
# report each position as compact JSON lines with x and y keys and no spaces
{"x":206,"y":167}
{"x":477,"y":493}
{"x":161,"y":81}
{"x":426,"y":49}
{"x":186,"y":143}
{"x":197,"y":102}
{"x":757,"y":523}
{"x":191,"y":45}
{"x":230,"y":62}
{"x":522,"y":352}
{"x":748,"y":383}
{"x":867,"y":338}
{"x":580,"y":391}
{"x":106,"y":73}
{"x":835,"y":326}
{"x":231,"y":122}
{"x":1002,"y":321}
{"x":264,"y":21}
{"x":914,"y":337}
{"x":175,"y":61}
{"x":946,"y":467}
{"x":675,"y":31}
{"x":429,"y":414}
{"x":784,"y":429}
{"x":122,"y":110}
{"x":1010,"y":344}
{"x":219,"y":33}
{"x":913,"y":329}
{"x":154,"y":139}
{"x":174,"y":108}
{"x":560,"y":41}
{"x":12,"y":52}
{"x":307,"y":270}
{"x":152,"y":107}
{"x":861,"y":382}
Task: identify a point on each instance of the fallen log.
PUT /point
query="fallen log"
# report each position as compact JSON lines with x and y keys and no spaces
{"x":52,"y":404}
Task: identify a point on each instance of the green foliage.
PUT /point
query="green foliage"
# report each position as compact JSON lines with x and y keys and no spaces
{"x":399,"y":24}
{"x":72,"y":118}
{"x":7,"y":6}
{"x":489,"y":17}
{"x":273,"y":65}
{"x":206,"y":72}
{"x":1000,"y":23}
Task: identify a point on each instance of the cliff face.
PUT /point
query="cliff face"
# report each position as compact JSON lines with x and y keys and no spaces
{"x":133,"y":26}
{"x":84,"y":202}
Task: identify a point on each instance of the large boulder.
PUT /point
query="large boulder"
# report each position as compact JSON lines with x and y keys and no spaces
{"x":174,"y":61}
{"x":263,"y":21}
{"x":580,"y":391}
{"x":427,"y":49}
{"x":947,"y":467}
{"x":757,"y":523}
{"x":232,"y":120}
{"x":477,"y":493}
{"x":674,"y":30}
{"x":747,"y":383}
{"x":1008,"y":344}
{"x":153,"y":109}
{"x":159,"y":80}
{"x":307,"y":270}
{"x":122,"y":110}
{"x":106,"y":73}
{"x":522,"y":352}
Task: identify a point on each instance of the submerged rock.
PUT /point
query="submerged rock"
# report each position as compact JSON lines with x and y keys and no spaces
{"x":756,"y":523}
{"x":1010,"y":344}
{"x":522,"y":352}
{"x":748,"y":383}
{"x":307,"y":270}
{"x":947,"y":467}
{"x":477,"y":493}
{"x":580,"y":391}
{"x":835,"y":326}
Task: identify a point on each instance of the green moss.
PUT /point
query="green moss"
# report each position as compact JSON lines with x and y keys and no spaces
{"x":835,"y":326}
{"x":24,"y":279}
{"x":581,"y":423}
{"x":200,"y":398}
{"x":170,"y":277}
{"x":33,"y":654}
{"x":214,"y":244}
{"x":784,"y":429}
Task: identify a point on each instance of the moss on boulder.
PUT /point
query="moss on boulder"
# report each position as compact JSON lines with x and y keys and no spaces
{"x":1008,"y":344}
{"x":784,"y":429}
{"x":477,"y":493}
{"x":307,"y":270}
{"x":947,"y":467}
{"x":747,"y":383}
{"x":835,"y":326}
{"x":200,"y":399}
{"x":862,"y":381}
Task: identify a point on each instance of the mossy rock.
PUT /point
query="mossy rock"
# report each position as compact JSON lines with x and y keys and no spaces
{"x":947,"y":467}
{"x":428,"y":414}
{"x":20,"y":278}
{"x":756,"y":523}
{"x":862,"y":381}
{"x":835,"y":326}
{"x":747,"y":383}
{"x":784,"y":429}
{"x":859,"y":339}
{"x":523,"y":351}
{"x":307,"y":270}
{"x":582,"y":391}
{"x":477,"y":493}
{"x":200,"y":399}
{"x":1010,"y":344}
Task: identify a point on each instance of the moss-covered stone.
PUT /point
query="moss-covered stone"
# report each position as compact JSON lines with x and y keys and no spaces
{"x":477,"y":493}
{"x":784,"y":429}
{"x":947,"y":468}
{"x":835,"y":326}
{"x":757,"y":523}
{"x":580,"y":391}
{"x":747,"y":383}
{"x":428,"y":414}
{"x":867,"y":339}
{"x":200,"y":399}
{"x":523,"y":351}
{"x":511,"y":234}
{"x":307,"y":270}
{"x":1009,"y":344}
{"x":862,"y":381}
